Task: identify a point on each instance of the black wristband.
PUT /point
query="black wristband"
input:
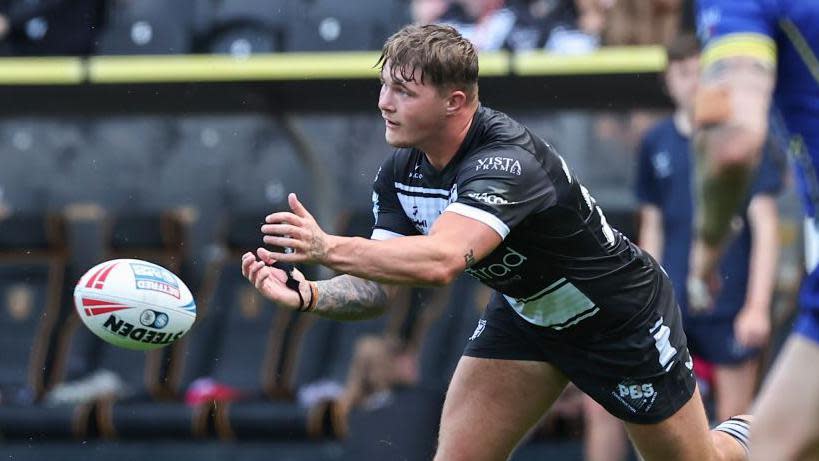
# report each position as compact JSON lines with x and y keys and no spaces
{"x":293,"y":284}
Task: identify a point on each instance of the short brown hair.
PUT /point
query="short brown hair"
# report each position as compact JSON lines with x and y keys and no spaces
{"x":438,"y":51}
{"x":682,"y":47}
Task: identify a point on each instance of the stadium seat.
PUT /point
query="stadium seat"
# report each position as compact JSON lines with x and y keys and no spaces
{"x":273,"y":420}
{"x":242,"y":27}
{"x":33,"y":259}
{"x":362,"y":151}
{"x":260,"y":179}
{"x":151,"y":420}
{"x":325,"y":25}
{"x":37,"y":423}
{"x":147,"y":27}
{"x":443,"y":343}
{"x":405,"y":428}
{"x":130,"y":151}
{"x":32,"y":145}
{"x":270,"y":12}
{"x":240,"y":39}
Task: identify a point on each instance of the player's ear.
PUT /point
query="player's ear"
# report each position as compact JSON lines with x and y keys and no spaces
{"x":456,"y":100}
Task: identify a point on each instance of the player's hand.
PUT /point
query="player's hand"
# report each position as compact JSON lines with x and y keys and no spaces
{"x":270,"y":281}
{"x":298,"y":231}
{"x":703,"y":282}
{"x":752,"y":327}
{"x":5,"y":26}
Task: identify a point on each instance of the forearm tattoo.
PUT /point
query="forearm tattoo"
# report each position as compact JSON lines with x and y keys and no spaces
{"x":347,"y":297}
{"x":719,"y":198}
{"x":469,"y":258}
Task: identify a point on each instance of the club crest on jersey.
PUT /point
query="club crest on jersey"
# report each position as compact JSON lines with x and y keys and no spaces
{"x":505,"y":164}
{"x":155,"y":278}
{"x":708,"y":20}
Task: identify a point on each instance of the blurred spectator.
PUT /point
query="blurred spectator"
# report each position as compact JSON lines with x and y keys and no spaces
{"x":386,"y":362}
{"x":428,"y":11}
{"x":591,"y":15}
{"x":380,"y":365}
{"x":517,"y":25}
{"x":550,"y":24}
{"x":50,"y":27}
{"x":731,"y":335}
{"x":631,"y":22}
{"x":486,"y":23}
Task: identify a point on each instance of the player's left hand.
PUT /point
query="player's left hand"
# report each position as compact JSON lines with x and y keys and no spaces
{"x":298,"y":231}
{"x":752,"y":327}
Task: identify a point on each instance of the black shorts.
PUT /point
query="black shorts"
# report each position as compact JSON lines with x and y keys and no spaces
{"x":640,"y":372}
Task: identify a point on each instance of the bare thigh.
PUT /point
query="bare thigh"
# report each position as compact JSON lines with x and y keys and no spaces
{"x":684,"y":436}
{"x":491,"y":404}
{"x":735,"y":386}
{"x":786,"y":424}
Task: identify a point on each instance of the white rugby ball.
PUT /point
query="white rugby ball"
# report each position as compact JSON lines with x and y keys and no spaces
{"x":134,"y":304}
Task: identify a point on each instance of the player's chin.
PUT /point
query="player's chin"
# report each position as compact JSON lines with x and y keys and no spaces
{"x":396,"y":141}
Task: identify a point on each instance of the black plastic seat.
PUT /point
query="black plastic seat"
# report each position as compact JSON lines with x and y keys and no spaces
{"x":147,"y":27}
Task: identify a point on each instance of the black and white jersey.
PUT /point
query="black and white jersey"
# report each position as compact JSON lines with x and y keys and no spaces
{"x":560,"y":264}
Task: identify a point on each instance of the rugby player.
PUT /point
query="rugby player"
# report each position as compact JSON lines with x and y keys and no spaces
{"x":468,"y":189}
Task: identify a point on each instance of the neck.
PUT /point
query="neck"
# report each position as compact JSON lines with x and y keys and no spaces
{"x":440,"y":151}
{"x":682,"y":121}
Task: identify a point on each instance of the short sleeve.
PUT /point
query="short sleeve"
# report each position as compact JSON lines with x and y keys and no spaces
{"x":390,"y":219}
{"x":730,"y":28}
{"x":501,"y":187}
{"x":647,"y":188}
{"x":768,"y":180}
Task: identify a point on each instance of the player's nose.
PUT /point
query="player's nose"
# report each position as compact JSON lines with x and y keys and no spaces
{"x":385,"y":103}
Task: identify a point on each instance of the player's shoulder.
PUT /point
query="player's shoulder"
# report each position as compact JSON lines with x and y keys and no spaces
{"x":499,"y":128}
{"x":501,"y":145}
{"x":662,"y":129}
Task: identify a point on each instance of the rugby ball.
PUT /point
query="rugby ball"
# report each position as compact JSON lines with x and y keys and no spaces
{"x":134,"y":304}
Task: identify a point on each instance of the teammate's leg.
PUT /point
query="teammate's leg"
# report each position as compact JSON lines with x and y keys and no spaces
{"x":491,"y":404}
{"x":604,"y":438}
{"x":786,"y":424}
{"x":685,"y":436}
{"x":734,"y":388}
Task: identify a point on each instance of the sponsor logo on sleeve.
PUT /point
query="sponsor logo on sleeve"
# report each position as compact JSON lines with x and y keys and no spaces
{"x":491,"y":199}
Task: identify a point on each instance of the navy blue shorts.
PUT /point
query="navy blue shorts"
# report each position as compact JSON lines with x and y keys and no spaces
{"x":713,"y":340}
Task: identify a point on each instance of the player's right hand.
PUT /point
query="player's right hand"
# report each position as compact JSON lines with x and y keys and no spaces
{"x":270,"y":281}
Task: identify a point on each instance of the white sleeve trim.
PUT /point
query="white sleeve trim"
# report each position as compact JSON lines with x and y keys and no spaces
{"x":384,"y":234}
{"x":480,"y":215}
